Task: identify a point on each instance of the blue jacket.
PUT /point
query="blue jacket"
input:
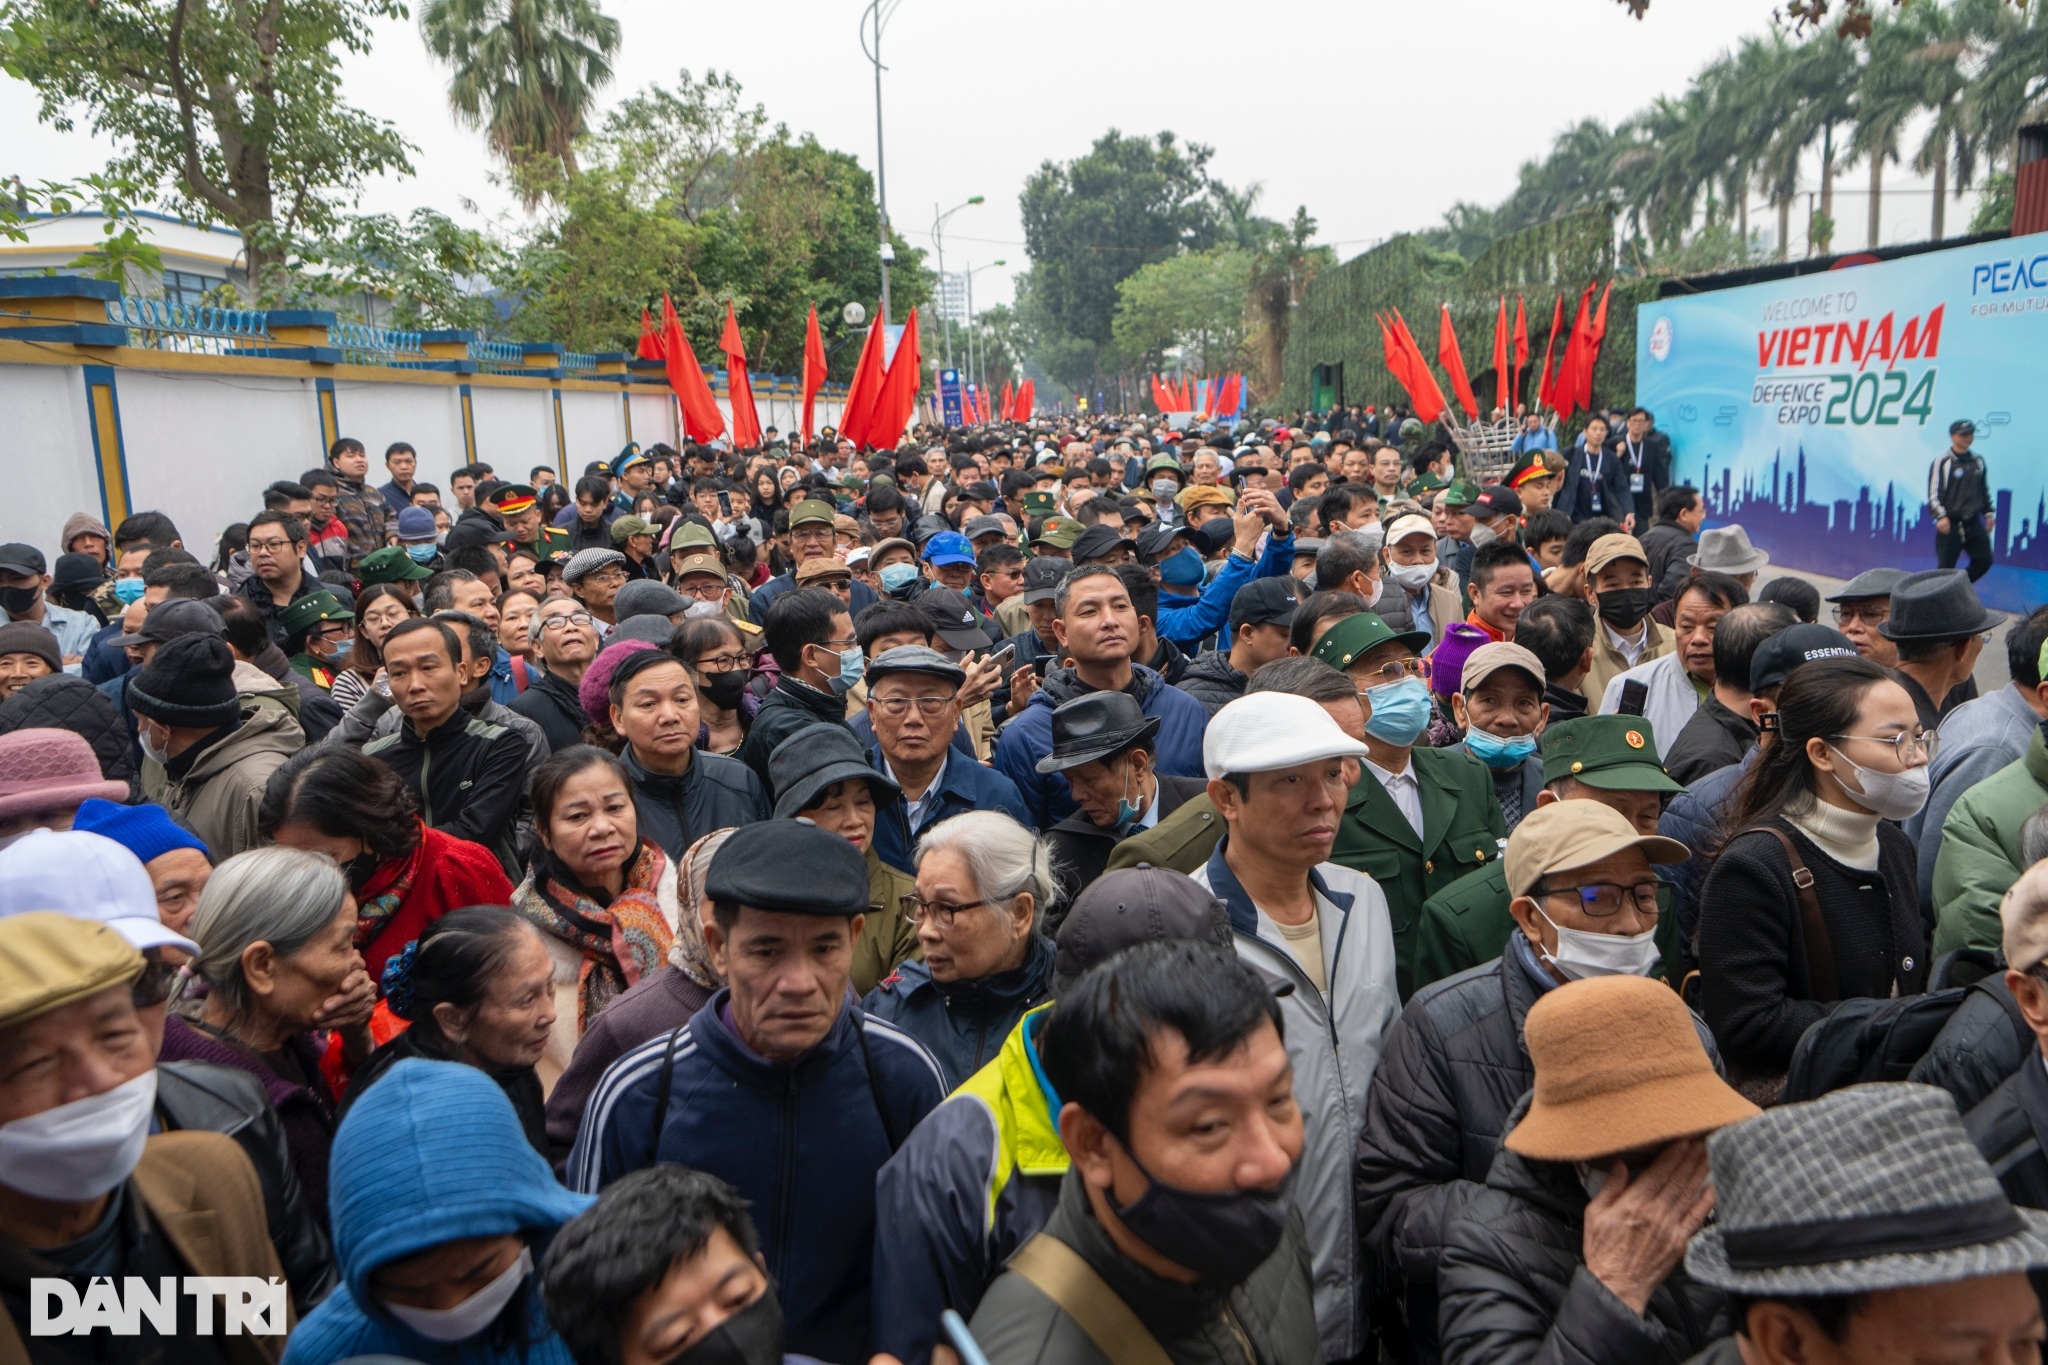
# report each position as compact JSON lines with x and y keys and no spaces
{"x":764,"y":596}
{"x":801,"y":1143}
{"x":431,"y":1153}
{"x":503,"y":688}
{"x":964,"y":785}
{"x":976,"y":1181}
{"x":1188,"y":623}
{"x":963,"y":1023}
{"x":1028,"y":738}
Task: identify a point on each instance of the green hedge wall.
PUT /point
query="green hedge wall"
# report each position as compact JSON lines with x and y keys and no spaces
{"x":1334,"y":323}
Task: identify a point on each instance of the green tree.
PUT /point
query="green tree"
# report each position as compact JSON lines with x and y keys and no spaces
{"x":433,"y":271}
{"x":1126,"y":202}
{"x":228,"y":111}
{"x":527,"y":72}
{"x":1194,"y":303}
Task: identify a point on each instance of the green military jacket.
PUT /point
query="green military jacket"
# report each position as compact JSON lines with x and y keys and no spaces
{"x":1461,"y":831}
{"x":551,"y":543}
{"x":1468,"y":923}
{"x":1182,"y":841}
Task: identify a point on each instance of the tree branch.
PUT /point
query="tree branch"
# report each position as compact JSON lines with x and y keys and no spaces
{"x":196,"y":178}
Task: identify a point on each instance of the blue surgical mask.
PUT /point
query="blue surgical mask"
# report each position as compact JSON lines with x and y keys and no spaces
{"x":129,"y":590}
{"x":420,"y":554}
{"x":1165,"y":488}
{"x":1400,"y":712}
{"x":896,"y":577}
{"x":1182,"y":568}
{"x":1496,"y":752}
{"x":1127,"y":810}
{"x":852,"y":666}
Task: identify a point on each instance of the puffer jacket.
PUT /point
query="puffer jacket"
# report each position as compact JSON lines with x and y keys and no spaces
{"x":65,"y":701}
{"x":1028,"y":738}
{"x":1213,"y":681}
{"x":219,"y":1099}
{"x":363,"y":511}
{"x":470,"y":777}
{"x":1516,"y":1291}
{"x":1980,"y":851}
{"x":1333,"y":1043}
{"x":963,"y":1023}
{"x":1267,"y":1319}
{"x":712,"y":793}
{"x":1453,"y":1069}
{"x":971,"y":1184}
{"x":217,"y":796}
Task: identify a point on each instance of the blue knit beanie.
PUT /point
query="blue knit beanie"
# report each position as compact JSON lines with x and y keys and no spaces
{"x":148,"y":832}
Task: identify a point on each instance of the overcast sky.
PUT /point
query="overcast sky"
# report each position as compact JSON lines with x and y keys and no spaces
{"x":1376,"y":114}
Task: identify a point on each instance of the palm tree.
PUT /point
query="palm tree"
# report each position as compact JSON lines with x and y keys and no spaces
{"x":1948,"y":36}
{"x":525,"y":71}
{"x":2008,"y":90}
{"x":1891,"y":89}
{"x":1817,"y":93}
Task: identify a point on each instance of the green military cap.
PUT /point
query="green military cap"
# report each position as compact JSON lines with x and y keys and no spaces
{"x":625,"y":526}
{"x":1458,"y":493}
{"x":316,"y":607}
{"x":1037,"y":504}
{"x":812,"y":510}
{"x":1356,"y":635}
{"x":1613,"y":753}
{"x":390,"y":565}
{"x":853,"y":483}
{"x":1167,"y":463}
{"x":689,"y":535}
{"x":1060,"y":532}
{"x":1425,"y":484}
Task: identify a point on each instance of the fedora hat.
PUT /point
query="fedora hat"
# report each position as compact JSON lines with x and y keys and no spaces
{"x":1726,"y":549}
{"x":1872,"y":1187}
{"x":1094,"y":726}
{"x":1937,"y":604}
{"x":1619,"y":1068}
{"x":810,"y":760}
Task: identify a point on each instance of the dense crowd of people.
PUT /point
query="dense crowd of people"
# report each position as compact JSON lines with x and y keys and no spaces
{"x":1076,"y":891}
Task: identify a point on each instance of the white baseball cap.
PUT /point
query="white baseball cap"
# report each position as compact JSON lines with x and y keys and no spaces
{"x":86,"y":876}
{"x":1409,"y":525}
{"x":1266,"y":731}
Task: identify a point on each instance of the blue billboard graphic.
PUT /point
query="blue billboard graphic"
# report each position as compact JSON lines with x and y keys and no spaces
{"x":1811,"y":409}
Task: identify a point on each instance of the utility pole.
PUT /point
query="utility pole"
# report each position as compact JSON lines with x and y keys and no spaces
{"x":875,"y":18}
{"x":939,"y":249}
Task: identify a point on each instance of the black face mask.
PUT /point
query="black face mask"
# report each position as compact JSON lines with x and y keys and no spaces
{"x":752,"y":1336}
{"x":1624,"y":608}
{"x":724,"y":690}
{"x":15,"y":601}
{"x":360,"y":869}
{"x":1223,"y":1238}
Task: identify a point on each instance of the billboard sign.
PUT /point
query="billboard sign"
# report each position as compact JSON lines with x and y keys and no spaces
{"x":1811,"y":410}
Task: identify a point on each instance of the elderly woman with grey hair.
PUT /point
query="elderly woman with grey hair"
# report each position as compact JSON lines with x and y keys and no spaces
{"x":277,"y":966}
{"x":984,"y":883}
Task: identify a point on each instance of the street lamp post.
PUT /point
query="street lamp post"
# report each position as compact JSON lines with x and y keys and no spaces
{"x":977,"y":375}
{"x":876,"y":16}
{"x":939,"y":248}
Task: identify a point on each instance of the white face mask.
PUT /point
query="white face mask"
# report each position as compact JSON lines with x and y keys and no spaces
{"x":1412,"y":577}
{"x":473,"y":1314}
{"x":145,"y":734}
{"x":1581,"y":954}
{"x":79,"y":1151}
{"x":1890,"y":796}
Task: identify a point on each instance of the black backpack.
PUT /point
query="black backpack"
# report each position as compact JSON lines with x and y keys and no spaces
{"x":1881,"y":1040}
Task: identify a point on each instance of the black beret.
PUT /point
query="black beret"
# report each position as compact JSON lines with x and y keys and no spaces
{"x":792,"y":867}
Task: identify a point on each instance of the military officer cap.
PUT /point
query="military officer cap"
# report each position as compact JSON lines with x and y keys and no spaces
{"x":1613,"y":753}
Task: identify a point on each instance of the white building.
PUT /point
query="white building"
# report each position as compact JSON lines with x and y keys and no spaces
{"x":196,"y":258}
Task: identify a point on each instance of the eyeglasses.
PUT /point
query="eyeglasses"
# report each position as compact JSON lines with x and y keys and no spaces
{"x":900,"y":706}
{"x":1876,"y":613}
{"x":567,"y":618}
{"x":721,"y":663}
{"x":1910,"y":749}
{"x":615,"y":574}
{"x":153,"y":987}
{"x":1603,"y":900}
{"x":703,"y":592}
{"x":916,"y":908}
{"x":269,"y":547}
{"x":1395,"y":671}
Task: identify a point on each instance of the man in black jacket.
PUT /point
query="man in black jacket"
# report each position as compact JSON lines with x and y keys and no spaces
{"x":468,"y":774}
{"x":564,"y":636}
{"x":810,"y":634}
{"x":679,"y":793}
{"x":1260,"y":614}
{"x":1723,"y":729}
{"x":1959,"y":500}
{"x":2010,"y":1127}
{"x":1102,"y":744}
{"x":1645,"y":453}
{"x":1674,"y":535}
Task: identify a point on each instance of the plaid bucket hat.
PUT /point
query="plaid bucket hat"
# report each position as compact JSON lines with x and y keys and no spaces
{"x":1869,"y":1188}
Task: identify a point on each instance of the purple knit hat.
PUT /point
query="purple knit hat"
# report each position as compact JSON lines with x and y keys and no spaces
{"x":1447,"y":664}
{"x":595,"y":689}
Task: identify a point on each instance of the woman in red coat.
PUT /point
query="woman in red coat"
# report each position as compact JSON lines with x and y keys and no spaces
{"x":335,"y":800}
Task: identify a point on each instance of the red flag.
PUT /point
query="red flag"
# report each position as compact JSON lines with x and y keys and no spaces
{"x":1500,"y":356}
{"x":1453,"y":360}
{"x":1413,"y":371}
{"x":1233,"y":394}
{"x":1024,"y":401}
{"x":1596,"y":333}
{"x":897,"y":401}
{"x":701,"y":419}
{"x":1544,"y":397}
{"x":650,"y":340}
{"x":859,"y":414}
{"x":1521,"y":346}
{"x":1565,"y":388}
{"x":739,"y":389}
{"x":814,"y":369}
{"x":1004,"y":405}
